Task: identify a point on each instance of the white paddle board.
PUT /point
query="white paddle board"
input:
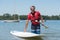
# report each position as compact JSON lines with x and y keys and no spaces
{"x":25,"y":34}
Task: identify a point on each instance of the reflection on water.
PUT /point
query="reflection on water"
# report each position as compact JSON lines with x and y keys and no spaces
{"x":37,"y":38}
{"x":32,"y":38}
{"x":48,"y":36}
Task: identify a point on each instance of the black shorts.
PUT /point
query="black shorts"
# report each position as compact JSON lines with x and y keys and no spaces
{"x":35,"y":29}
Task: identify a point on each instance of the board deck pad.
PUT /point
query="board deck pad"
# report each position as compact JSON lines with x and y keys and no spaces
{"x":25,"y":34}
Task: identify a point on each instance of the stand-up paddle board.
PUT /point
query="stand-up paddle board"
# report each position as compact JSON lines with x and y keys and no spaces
{"x":25,"y":34}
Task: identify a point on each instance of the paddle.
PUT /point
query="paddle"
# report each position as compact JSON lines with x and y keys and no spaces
{"x":43,"y":25}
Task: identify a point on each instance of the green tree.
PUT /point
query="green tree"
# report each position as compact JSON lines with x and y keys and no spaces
{"x":15,"y":16}
{"x":6,"y":16}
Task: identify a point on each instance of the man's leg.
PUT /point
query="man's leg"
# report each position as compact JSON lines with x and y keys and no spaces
{"x":38,"y":29}
{"x":33,"y":29}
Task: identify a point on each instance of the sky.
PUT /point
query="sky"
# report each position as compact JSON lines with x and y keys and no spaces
{"x":22,"y":7}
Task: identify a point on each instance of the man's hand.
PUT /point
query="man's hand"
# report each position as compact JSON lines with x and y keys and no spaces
{"x":26,"y":25}
{"x":24,"y":30}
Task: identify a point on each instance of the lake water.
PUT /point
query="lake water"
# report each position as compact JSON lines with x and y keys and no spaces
{"x":52,"y":33}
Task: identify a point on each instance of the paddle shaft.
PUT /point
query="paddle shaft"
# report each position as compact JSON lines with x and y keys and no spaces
{"x":43,"y":25}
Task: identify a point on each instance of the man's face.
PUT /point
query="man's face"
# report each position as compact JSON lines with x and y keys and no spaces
{"x":32,"y":9}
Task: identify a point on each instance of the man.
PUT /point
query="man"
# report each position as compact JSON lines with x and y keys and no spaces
{"x":35,"y":18}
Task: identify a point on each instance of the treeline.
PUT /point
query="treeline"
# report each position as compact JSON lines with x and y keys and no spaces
{"x":56,"y":17}
{"x":7,"y":16}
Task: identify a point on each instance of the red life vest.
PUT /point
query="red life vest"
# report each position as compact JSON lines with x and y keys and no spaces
{"x":35,"y":17}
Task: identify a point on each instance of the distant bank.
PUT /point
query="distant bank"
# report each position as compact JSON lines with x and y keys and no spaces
{"x":24,"y":17}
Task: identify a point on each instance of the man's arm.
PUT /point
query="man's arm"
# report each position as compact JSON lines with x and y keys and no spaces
{"x":42,"y":19}
{"x":28,"y":18}
{"x":26,"y":25}
{"x":43,"y":22}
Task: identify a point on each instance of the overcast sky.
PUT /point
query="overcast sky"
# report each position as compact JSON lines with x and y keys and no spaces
{"x":22,"y":7}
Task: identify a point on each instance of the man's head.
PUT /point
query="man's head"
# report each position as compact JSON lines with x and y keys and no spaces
{"x":32,"y":8}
